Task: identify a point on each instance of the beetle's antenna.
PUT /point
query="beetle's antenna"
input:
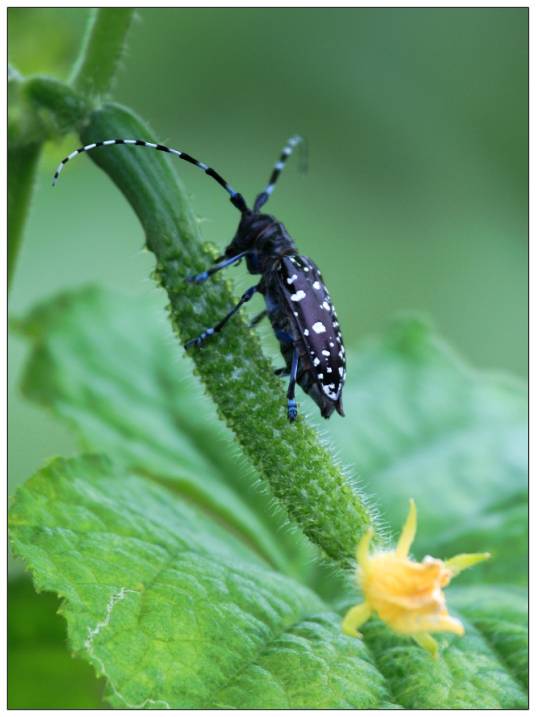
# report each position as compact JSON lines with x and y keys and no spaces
{"x":278,"y":168}
{"x":236,"y":198}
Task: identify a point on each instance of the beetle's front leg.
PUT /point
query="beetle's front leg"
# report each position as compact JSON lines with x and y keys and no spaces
{"x":292,"y":406}
{"x":246,"y":296}
{"x":257,"y":319}
{"x":204,"y":275}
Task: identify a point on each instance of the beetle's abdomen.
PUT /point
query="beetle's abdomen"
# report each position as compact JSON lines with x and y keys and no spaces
{"x":303,"y":316}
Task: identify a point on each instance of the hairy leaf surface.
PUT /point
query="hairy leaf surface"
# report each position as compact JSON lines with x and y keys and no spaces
{"x":176,"y":612}
{"x":172,"y":609}
{"x":176,"y":576}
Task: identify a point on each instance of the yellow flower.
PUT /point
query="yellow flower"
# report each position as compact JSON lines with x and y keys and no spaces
{"x":406,"y":595}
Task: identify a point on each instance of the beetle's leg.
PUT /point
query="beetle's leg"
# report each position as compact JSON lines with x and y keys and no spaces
{"x":283,"y":336}
{"x":246,"y":296}
{"x":285,"y":339}
{"x":257,"y":319}
{"x":203,"y":276}
{"x":292,"y":407}
{"x":278,"y":168}
{"x":282,"y":371}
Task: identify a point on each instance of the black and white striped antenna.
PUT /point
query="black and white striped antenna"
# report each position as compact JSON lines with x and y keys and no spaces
{"x":236,"y":198}
{"x":287,"y":150}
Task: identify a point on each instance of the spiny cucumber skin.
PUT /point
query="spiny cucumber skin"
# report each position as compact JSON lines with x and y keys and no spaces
{"x":291,"y":458}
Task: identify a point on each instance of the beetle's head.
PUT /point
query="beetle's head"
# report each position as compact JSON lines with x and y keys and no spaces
{"x":252,"y":231}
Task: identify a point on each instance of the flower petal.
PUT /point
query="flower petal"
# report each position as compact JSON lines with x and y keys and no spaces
{"x":426,"y":641}
{"x":413,"y":622}
{"x":464,"y":561}
{"x":406,"y":595}
{"x":354,"y":618}
{"x":407,"y":535}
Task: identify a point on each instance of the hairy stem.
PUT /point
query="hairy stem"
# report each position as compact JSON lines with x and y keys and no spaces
{"x":249,"y":398}
{"x":103,"y":47}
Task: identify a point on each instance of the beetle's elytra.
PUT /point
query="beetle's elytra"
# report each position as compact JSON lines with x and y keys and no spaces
{"x":297,"y":301}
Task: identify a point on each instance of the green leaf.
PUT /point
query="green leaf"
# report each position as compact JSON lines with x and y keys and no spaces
{"x":42,"y":673}
{"x":108,"y":366}
{"x":176,"y":612}
{"x":172,"y":609}
{"x":500,"y":615}
{"x":78,"y":368}
{"x":471,"y":673}
{"x":422,"y":424}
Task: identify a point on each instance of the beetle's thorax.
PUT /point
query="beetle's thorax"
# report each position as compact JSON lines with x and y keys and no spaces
{"x":265,"y":237}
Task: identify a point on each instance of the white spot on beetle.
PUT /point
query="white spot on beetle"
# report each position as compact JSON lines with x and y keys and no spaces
{"x":306,"y":332}
{"x":329,"y":370}
{"x":325,"y":352}
{"x":326,"y":306}
{"x":319,"y":327}
{"x":316,"y":361}
{"x":341,"y":371}
{"x":329,"y":393}
{"x":317,"y":285}
{"x":292,"y":279}
{"x":320,"y":375}
{"x":298,"y":296}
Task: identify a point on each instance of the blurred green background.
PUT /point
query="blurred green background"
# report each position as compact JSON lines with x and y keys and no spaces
{"x":416,"y":195}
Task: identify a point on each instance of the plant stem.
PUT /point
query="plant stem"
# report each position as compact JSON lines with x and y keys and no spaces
{"x":21,"y":165}
{"x":103,"y":47}
{"x":64,"y":108}
{"x":25,"y":136}
{"x":92,"y":77}
{"x":249,"y":398}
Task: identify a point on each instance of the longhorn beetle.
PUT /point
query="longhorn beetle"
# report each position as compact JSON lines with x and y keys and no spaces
{"x":297,"y":301}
